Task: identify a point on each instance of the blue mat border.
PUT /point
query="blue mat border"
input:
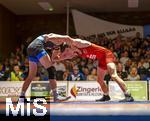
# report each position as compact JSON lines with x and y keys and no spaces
{"x":108,"y":102}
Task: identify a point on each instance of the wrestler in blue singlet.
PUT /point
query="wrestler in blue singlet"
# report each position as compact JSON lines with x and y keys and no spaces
{"x":37,"y":48}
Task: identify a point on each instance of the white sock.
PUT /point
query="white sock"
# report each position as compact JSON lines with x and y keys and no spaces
{"x":54,"y":92}
{"x":106,"y":94}
{"x":127,"y":92}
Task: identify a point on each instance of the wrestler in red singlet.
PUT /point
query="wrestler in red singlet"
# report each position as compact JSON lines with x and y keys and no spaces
{"x":106,"y":62}
{"x":102,"y":54}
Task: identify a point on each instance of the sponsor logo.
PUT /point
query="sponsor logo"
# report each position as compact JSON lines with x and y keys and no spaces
{"x":85,"y":91}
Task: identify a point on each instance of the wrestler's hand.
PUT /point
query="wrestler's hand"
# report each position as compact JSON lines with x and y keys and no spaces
{"x":55,"y":58}
{"x":55,"y":55}
{"x":69,"y":53}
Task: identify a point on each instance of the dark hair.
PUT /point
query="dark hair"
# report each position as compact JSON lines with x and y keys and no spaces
{"x":15,"y":65}
{"x":63,"y":46}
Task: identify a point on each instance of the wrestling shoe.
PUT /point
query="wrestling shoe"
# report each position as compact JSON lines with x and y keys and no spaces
{"x":61,"y":99}
{"x":22,"y":99}
{"x":104,"y":98}
{"x":128,"y":98}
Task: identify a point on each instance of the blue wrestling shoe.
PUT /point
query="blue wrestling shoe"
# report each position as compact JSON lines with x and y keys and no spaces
{"x":22,"y":99}
{"x":128,"y":98}
{"x":61,"y":98}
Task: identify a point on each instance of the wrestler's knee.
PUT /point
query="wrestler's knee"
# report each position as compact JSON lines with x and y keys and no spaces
{"x":101,"y":81}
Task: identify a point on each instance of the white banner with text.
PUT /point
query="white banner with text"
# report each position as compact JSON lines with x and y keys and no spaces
{"x":87,"y":25}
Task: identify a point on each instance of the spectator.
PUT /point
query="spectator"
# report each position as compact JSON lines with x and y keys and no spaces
{"x":6,"y":69}
{"x":82,"y":64}
{"x":133,"y":76}
{"x":66,"y":74}
{"x":25,"y":68}
{"x":128,"y":65}
{"x":60,"y":69}
{"x":142,"y":71}
{"x":16,"y":74}
{"x":76,"y":75}
{"x":146,"y":63}
{"x":121,"y":73}
{"x":69,"y":65}
{"x":1,"y":72}
{"x":86,"y":72}
{"x":93,"y":75}
{"x":37,"y":78}
{"x":90,"y":64}
{"x":124,"y":58}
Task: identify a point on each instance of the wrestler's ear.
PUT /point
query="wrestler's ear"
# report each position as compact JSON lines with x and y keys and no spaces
{"x":46,"y":37}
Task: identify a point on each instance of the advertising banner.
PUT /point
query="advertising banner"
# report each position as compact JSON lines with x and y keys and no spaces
{"x":84,"y":91}
{"x":115,"y":92}
{"x":138,"y":90}
{"x":40,"y":88}
{"x":79,"y":91}
{"x":11,"y":89}
{"x":62,"y":88}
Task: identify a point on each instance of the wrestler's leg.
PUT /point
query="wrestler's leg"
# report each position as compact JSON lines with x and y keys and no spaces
{"x":101,"y":74}
{"x":27,"y":82}
{"x":113,"y":73}
{"x":47,"y":63}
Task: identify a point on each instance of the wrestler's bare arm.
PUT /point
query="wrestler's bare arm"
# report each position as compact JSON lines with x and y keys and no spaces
{"x":59,"y":39}
{"x":80,"y":43}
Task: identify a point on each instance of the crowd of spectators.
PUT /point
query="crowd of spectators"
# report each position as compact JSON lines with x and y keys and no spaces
{"x":132,"y":53}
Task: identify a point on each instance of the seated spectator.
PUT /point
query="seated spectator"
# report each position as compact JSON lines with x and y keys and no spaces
{"x":76,"y":75}
{"x":86,"y":72}
{"x":124,"y":58}
{"x":93,"y":75}
{"x":82,"y":64}
{"x":25,"y":68}
{"x":16,"y":74}
{"x":90,"y":64}
{"x":37,"y":78}
{"x":68,"y":65}
{"x":128,"y":65}
{"x":146,"y":63}
{"x":6,"y":69}
{"x":142,"y":71}
{"x":60,"y":69}
{"x":121,"y":73}
{"x":1,"y":72}
{"x":133,"y":76}
{"x":136,"y":56}
{"x":66,"y":74}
